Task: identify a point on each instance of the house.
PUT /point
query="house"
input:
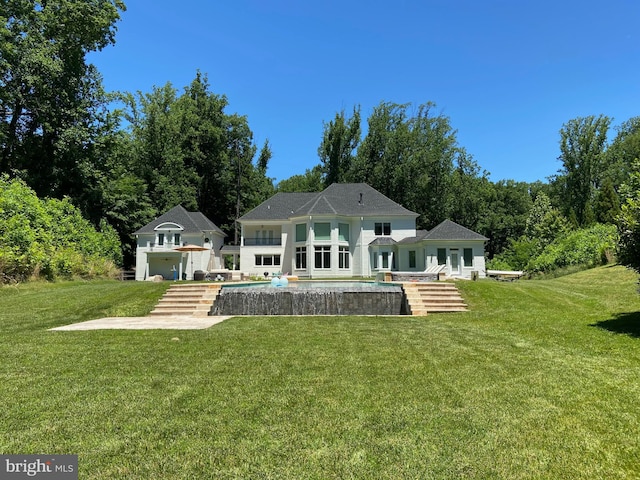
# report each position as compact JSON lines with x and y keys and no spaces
{"x":177,"y":244}
{"x":351,"y":230}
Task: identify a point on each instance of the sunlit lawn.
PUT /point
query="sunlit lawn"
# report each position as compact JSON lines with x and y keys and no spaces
{"x":541,"y":379}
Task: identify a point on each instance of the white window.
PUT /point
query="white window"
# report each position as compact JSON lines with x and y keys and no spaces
{"x":267,"y":260}
{"x":301,"y":232}
{"x":322,"y":231}
{"x":343,"y":257}
{"x":468,"y":257}
{"x":343,"y":232}
{"x":301,"y":257}
{"x":382,"y":228}
{"x":323,"y":257}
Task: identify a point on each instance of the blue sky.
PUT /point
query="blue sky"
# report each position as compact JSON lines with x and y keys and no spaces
{"x":508,"y":73}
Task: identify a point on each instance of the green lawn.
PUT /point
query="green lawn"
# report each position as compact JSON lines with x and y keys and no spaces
{"x":540,"y":380}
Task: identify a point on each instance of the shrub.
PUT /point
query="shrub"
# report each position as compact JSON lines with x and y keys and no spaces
{"x":498,"y":263}
{"x":50,"y":238}
{"x":516,"y":257}
{"x":589,"y":246}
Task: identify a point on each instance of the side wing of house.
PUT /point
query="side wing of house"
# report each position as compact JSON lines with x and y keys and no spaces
{"x":457,"y":250}
{"x":456,"y":258}
{"x":177,"y":244}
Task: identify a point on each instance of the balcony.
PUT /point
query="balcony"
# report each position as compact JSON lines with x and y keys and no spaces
{"x":254,"y":241}
{"x":166,"y":246}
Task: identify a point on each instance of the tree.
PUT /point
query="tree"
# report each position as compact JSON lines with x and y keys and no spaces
{"x":544,"y":223}
{"x":607,"y":203}
{"x":340,"y":139}
{"x":629,"y":221}
{"x":382,"y":150}
{"x":508,"y":206}
{"x":310,"y":181}
{"x":189,"y":151}
{"x":51,"y":100}
{"x":470,"y":192}
{"x":410,"y":159}
{"x":622,"y":152}
{"x":582,"y":147}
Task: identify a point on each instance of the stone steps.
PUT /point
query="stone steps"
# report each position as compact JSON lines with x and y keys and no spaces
{"x":432,"y":297}
{"x":187,"y":300}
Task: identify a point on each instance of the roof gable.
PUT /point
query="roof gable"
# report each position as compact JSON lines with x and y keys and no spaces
{"x":449,"y":230}
{"x":191,"y":222}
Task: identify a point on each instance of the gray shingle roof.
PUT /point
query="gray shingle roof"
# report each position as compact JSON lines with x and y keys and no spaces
{"x":383,"y":241}
{"x":191,"y":222}
{"x":420,"y":234}
{"x":449,"y":230}
{"x":346,"y":199}
{"x":279,"y":207}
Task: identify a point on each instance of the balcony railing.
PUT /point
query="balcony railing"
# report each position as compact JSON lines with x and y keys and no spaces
{"x":165,"y":246}
{"x":253,"y":241}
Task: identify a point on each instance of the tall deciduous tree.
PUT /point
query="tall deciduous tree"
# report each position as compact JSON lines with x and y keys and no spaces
{"x":582,"y":146}
{"x":409,"y":157}
{"x":189,"y":151}
{"x":340,"y":139}
{"x":470,"y":193}
{"x":629,"y":220}
{"x":622,"y":152}
{"x":508,"y":208}
{"x":51,"y":100}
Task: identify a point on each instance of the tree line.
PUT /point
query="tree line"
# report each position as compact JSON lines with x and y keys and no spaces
{"x":123,"y":158}
{"x":412,"y":155}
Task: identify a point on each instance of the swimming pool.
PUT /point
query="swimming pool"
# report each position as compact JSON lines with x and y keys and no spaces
{"x":311,"y":284}
{"x":311,"y":298}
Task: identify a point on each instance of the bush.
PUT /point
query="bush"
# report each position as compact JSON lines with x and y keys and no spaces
{"x":590,"y":247}
{"x":498,"y":263}
{"x":50,"y":238}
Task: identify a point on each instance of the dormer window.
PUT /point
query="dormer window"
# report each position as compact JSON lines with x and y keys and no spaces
{"x":166,"y":232}
{"x":382,"y":228}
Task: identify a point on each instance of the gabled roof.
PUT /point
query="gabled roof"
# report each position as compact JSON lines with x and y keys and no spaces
{"x":449,"y":230}
{"x":383,"y":241}
{"x":343,"y":199}
{"x":191,"y":222}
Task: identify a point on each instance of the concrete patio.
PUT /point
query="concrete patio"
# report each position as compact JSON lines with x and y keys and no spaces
{"x":145,"y":323}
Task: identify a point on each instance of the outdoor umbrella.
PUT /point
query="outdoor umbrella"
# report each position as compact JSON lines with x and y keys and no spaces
{"x":189,"y":247}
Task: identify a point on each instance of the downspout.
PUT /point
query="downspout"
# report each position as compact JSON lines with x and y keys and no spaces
{"x":364,"y":273}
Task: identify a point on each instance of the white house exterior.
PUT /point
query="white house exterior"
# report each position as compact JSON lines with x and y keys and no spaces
{"x":351,"y":230}
{"x":176,"y":244}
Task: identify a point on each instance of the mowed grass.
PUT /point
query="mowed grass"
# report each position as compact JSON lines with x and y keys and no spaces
{"x":540,"y":380}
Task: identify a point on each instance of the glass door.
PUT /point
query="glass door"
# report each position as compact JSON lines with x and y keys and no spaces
{"x":455,"y":263}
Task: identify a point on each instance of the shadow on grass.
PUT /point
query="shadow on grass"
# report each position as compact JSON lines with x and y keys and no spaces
{"x":623,"y":323}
